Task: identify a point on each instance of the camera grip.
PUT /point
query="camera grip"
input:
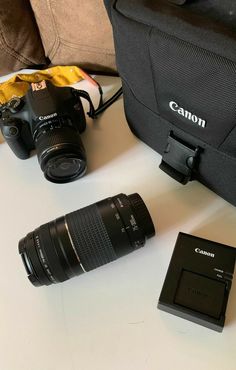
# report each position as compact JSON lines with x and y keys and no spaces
{"x":13,"y":132}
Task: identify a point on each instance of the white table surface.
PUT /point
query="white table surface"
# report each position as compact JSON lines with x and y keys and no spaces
{"x":107,"y":319}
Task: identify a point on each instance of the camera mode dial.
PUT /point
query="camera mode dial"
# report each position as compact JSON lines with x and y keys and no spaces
{"x":15,"y":105}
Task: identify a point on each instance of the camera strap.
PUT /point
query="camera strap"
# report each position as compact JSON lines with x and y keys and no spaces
{"x":83,"y":94}
{"x":102,"y":106}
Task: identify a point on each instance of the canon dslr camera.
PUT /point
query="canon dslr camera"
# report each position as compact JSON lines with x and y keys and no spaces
{"x":50,"y":120}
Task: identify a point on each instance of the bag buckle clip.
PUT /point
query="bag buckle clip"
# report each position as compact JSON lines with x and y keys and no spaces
{"x":179,"y":159}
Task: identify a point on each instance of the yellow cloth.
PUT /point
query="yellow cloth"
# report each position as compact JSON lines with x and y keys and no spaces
{"x":59,"y":76}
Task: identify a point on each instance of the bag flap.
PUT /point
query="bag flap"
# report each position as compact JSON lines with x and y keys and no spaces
{"x":182,"y":22}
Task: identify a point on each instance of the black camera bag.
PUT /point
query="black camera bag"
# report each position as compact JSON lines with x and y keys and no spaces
{"x":177,"y":61}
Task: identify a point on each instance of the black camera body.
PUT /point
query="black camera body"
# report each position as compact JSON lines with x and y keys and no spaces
{"x":49,"y":119}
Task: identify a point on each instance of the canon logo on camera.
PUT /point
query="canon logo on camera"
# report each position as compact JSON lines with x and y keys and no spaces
{"x":205,"y":253}
{"x":42,"y":118}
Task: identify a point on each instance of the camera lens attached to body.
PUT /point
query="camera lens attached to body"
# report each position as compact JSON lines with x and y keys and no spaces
{"x":57,"y":120}
{"x":60,"y":150}
{"x":86,"y":239}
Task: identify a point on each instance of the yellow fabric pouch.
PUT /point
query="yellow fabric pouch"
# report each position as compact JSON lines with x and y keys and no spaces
{"x":59,"y":76}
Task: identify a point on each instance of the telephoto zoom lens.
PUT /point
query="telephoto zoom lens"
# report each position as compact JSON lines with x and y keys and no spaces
{"x":86,"y":239}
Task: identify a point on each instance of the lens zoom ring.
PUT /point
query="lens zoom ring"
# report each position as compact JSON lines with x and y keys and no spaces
{"x":90,"y":237}
{"x":55,"y":137}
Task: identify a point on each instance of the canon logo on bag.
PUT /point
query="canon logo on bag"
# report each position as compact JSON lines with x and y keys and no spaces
{"x":205,"y":253}
{"x":190,"y":116}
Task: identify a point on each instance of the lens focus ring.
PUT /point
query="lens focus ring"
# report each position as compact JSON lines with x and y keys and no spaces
{"x":142,"y":214}
{"x":90,"y":237}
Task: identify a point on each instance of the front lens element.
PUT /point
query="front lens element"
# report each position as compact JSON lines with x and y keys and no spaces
{"x":64,"y":168}
{"x":86,"y":239}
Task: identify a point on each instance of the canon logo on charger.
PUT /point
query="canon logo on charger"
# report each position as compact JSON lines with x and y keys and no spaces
{"x":205,"y":253}
{"x":42,"y":118}
{"x":190,"y":116}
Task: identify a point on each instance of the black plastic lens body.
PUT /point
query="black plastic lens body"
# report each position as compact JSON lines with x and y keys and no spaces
{"x":86,"y":239}
{"x":60,"y":150}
